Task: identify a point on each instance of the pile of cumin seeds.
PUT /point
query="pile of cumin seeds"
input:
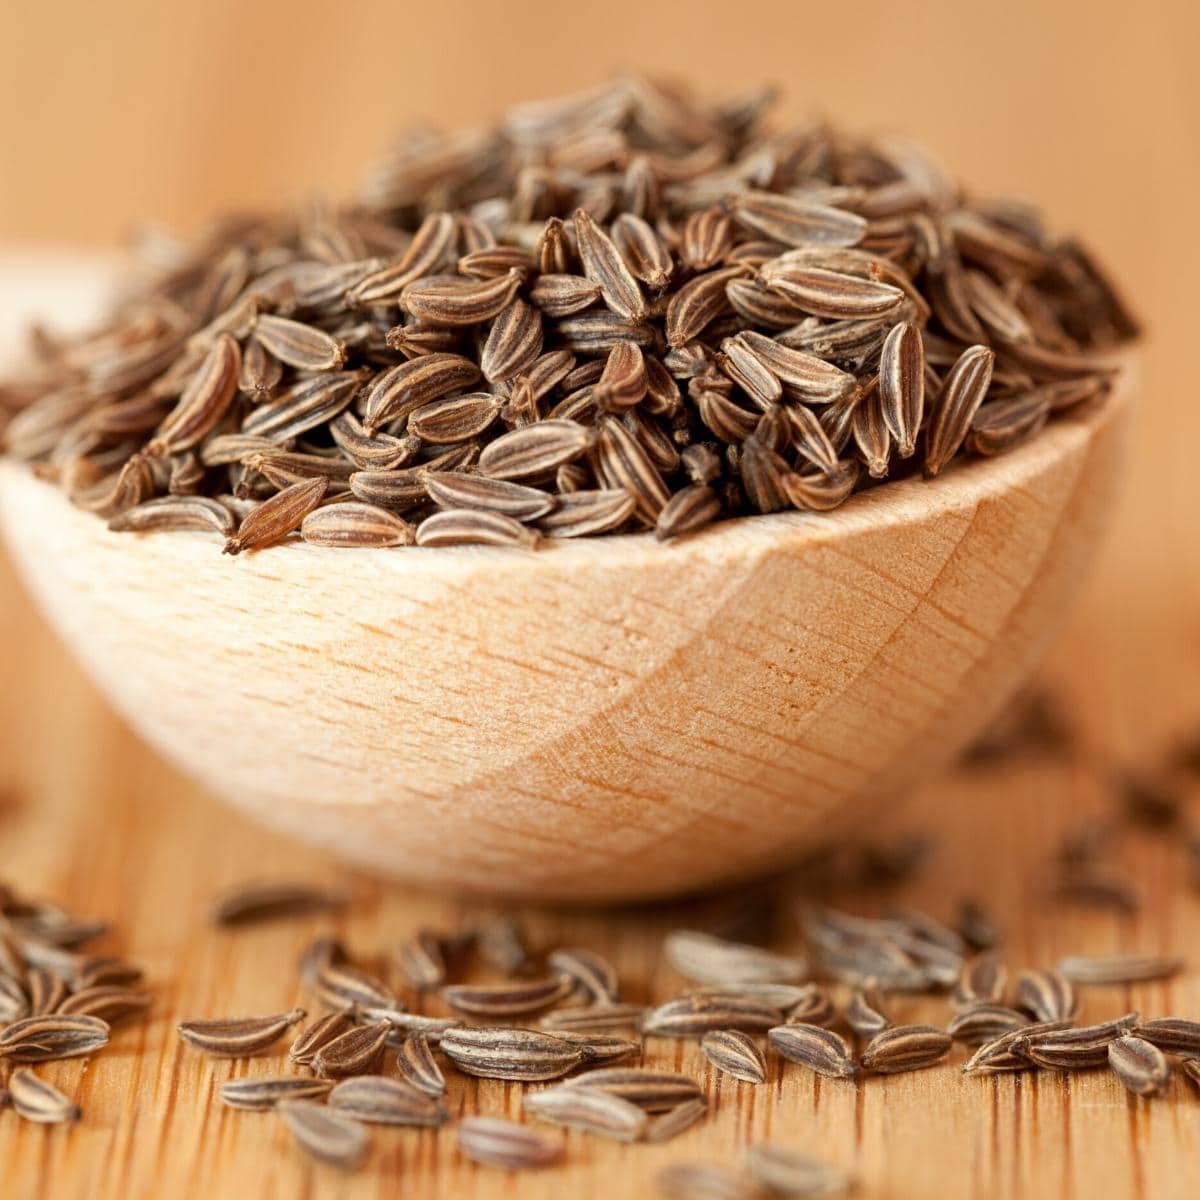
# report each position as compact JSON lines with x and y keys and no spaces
{"x":57,"y":1001}
{"x":622,"y":310}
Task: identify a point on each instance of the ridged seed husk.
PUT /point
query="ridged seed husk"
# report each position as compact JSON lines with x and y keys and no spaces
{"x":513,"y":343}
{"x":864,"y":1013}
{"x":1076,"y":1048}
{"x":604,"y":266}
{"x":906,"y":1048}
{"x":458,"y":489}
{"x":36,"y":1100}
{"x":1172,"y":1034}
{"x":110,"y":1002}
{"x":204,"y":402}
{"x":583,"y":513}
{"x":590,"y":971}
{"x":453,"y":301}
{"x":594,"y":1018}
{"x":694,"y":1016}
{"x":238,"y":1037}
{"x":508,"y":1000}
{"x":983,"y":1023}
{"x":46,"y":991}
{"x":256,"y":902}
{"x":902,"y":385}
{"x":52,"y":1035}
{"x":400,"y":390}
{"x":704,"y":958}
{"x":306,"y":405}
{"x":1006,"y":1053}
{"x":277,"y":517}
{"x":498,"y":1143}
{"x":591,"y":1110}
{"x":176,"y":514}
{"x":353,"y":525}
{"x":379,"y":1100}
{"x":354,"y":1052}
{"x":688,"y":510}
{"x":653,"y":1091}
{"x":668,"y":1125}
{"x":298,"y":345}
{"x":981,"y":981}
{"x":698,"y":303}
{"x":1047,"y":995}
{"x":812,"y":1046}
{"x":474,"y":527}
{"x":788,"y":1173}
{"x":1117,"y":968}
{"x":1139,"y":1065}
{"x":422,"y":960}
{"x":324,"y":1133}
{"x":340,"y":985}
{"x":416,"y":1063}
{"x":735,"y":1053}
{"x":430,"y":246}
{"x":961,"y":394}
{"x":562,"y":295}
{"x":317,"y":1035}
{"x":525,"y":1055}
{"x":535,"y":451}
{"x":260,"y":1094}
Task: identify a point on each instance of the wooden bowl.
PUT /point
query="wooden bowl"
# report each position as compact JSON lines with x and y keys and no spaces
{"x":596,"y":721}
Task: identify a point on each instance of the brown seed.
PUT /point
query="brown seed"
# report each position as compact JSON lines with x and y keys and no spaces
{"x":508,"y":1000}
{"x":454,"y":419}
{"x":707,"y":959}
{"x":422,"y":960}
{"x":962,"y":392}
{"x":647,"y":258}
{"x":325,"y":1133}
{"x":603,"y":264}
{"x":670,"y":1124}
{"x":735,"y":1053}
{"x":40,"y":1038}
{"x":535,"y":451}
{"x":417,"y":1064}
{"x":864,"y":1014}
{"x":1047,"y":995}
{"x":318,"y":1034}
{"x":698,"y":303}
{"x":238,"y":1037}
{"x":594,"y":974}
{"x":36,"y":1100}
{"x":354,"y":525}
{"x":378,"y":1100}
{"x":340,"y":985}
{"x":588,"y":1109}
{"x":981,"y":981}
{"x":176,"y":514}
{"x":400,"y":390}
{"x":653,"y":1091}
{"x":465,"y":526}
{"x":1073,"y":1049}
{"x":983,"y":1023}
{"x":787,"y":1173}
{"x":498,"y":1143}
{"x":46,"y":991}
{"x":584,"y":513}
{"x":623,"y":464}
{"x":431,"y":244}
{"x":526,"y":1055}
{"x":562,"y":295}
{"x":260,"y":1094}
{"x":204,"y":402}
{"x":275,"y":518}
{"x":110,"y":1002}
{"x":354,"y":1052}
{"x":448,"y":300}
{"x":1172,"y":1034}
{"x":513,"y":343}
{"x":454,"y":489}
{"x":256,"y":902}
{"x":906,"y":1048}
{"x":1117,"y":968}
{"x":696,"y":1015}
{"x":594,"y":1018}
{"x":825,"y":293}
{"x":902,"y":385}
{"x":300,"y":346}
{"x":1139,"y":1065}
{"x":820,"y":1050}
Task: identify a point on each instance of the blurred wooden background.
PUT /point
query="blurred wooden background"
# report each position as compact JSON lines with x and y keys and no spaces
{"x":171,"y":111}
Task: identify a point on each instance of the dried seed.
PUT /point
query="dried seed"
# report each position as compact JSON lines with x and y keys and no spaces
{"x":670,"y":1124}
{"x":422,"y":961}
{"x":1117,"y":968}
{"x":982,"y":1023}
{"x":981,"y":981}
{"x":320,"y":1033}
{"x":36,"y":1100}
{"x":260,"y":1094}
{"x":582,"y":513}
{"x":647,"y":258}
{"x":508,"y":1000}
{"x":535,"y":451}
{"x":1007,"y":1052}
{"x":562,"y":295}
{"x":694,"y":1016}
{"x":594,"y":974}
{"x":1172,"y":1034}
{"x":454,"y":489}
{"x":340,"y":985}
{"x":110,"y":1002}
{"x":588,"y":1109}
{"x":513,"y":343}
{"x":962,"y":392}
{"x":465,"y":526}
{"x":449,"y":300}
{"x":255,"y":902}
{"x":1139,"y":1065}
{"x":594,"y":1018}
{"x":906,"y":1048}
{"x":622,"y":464}
{"x":46,"y":991}
{"x":430,"y":245}
{"x":204,"y":402}
{"x":1047,"y":995}
{"x":787,"y":1173}
{"x":1073,"y":1049}
{"x":354,"y":525}
{"x":735,"y":1053}
{"x":176,"y":514}
{"x":40,"y":1038}
{"x":902,"y":385}
{"x":236,"y":1037}
{"x":603,"y":264}
{"x":299,"y":345}
{"x":402,"y":389}
{"x":864,"y":1014}
{"x":825,"y":293}
{"x":378,"y":1100}
{"x":498,"y":1143}
{"x":653,"y":1091}
{"x":275,"y":518}
{"x":698,"y":303}
{"x":454,"y":419}
{"x":811,"y":1046}
{"x":707,"y":959}
{"x":526,"y":1055}
{"x":416,"y":1063}
{"x":354,"y":1052}
{"x":325,"y":1133}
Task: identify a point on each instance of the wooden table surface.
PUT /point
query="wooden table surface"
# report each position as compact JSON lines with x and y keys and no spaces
{"x":92,"y":818}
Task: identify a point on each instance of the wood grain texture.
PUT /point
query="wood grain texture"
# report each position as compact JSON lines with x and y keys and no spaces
{"x":604,"y":719}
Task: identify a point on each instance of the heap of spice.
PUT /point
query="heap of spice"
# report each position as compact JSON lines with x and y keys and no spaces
{"x":629,"y":309}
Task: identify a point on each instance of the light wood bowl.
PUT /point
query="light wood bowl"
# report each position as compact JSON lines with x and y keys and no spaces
{"x":596,"y":721}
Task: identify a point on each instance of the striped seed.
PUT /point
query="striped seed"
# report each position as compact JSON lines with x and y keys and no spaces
{"x":430,"y":246}
{"x":46,"y":991}
{"x":205,"y":400}
{"x":319,"y":1033}
{"x":494,"y":1142}
{"x":1139,"y":1065}
{"x":238,"y":1037}
{"x":108,"y":1001}
{"x":652,"y":1091}
{"x":40,"y":1038}
{"x":689,"y":509}
{"x":299,"y":345}
{"x":355,"y":525}
{"x":735,"y":1053}
{"x":981,"y":981}
{"x":796,"y":222}
{"x":260,"y":1094}
{"x":811,"y":1046}
{"x":961,"y":394}
{"x":864,"y":1014}
{"x":1172,"y":1034}
{"x":404,"y":388}
{"x":354,"y":1052}
{"x":707,"y":959}
{"x":603,"y":264}
{"x":306,"y":405}
{"x":1046,"y":995}
{"x":902,"y":385}
{"x":378,"y":1100}
{"x":36,"y":1100}
{"x":698,"y":303}
{"x":513,"y":343}
{"x":324,"y":1133}
{"x":590,"y":1110}
{"x":983,"y":1023}
{"x":454,"y":419}
{"x":647,"y":258}
{"x":508,"y":1000}
{"x":277,"y":517}
{"x":1117,"y":968}
{"x":666,"y":1126}
{"x":466,"y":527}
{"x":535,"y":451}
{"x":525,"y":1055}
{"x":694,"y":1016}
{"x":416,"y":1063}
{"x":906,"y":1048}
{"x":447,"y":300}
{"x":623,"y":464}
{"x":340,"y":985}
{"x":422,"y":960}
{"x":589,"y":971}
{"x":594,"y":1018}
{"x":825,"y":293}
